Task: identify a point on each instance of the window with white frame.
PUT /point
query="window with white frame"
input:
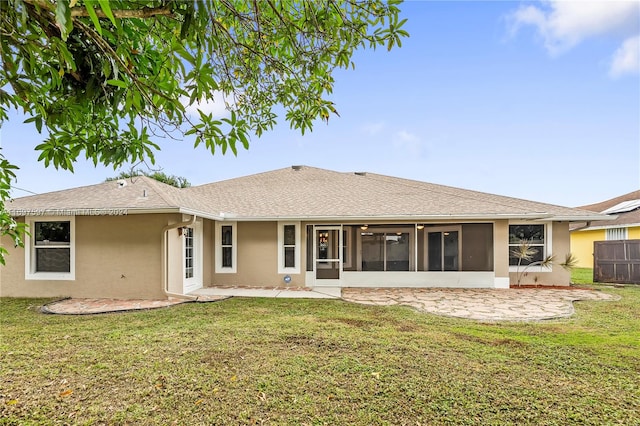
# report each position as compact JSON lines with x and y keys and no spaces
{"x":288,"y":247}
{"x":535,"y":236}
{"x":50,"y":253}
{"x":226,"y":247}
{"x":616,"y":234}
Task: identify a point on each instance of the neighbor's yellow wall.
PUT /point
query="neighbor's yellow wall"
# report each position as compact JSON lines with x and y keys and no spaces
{"x":582,"y":246}
{"x":116,"y":257}
{"x":634,"y":233}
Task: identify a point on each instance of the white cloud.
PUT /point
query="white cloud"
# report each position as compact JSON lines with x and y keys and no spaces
{"x":373,"y":129}
{"x":626,"y":60}
{"x":217,"y":107}
{"x":565,"y":24}
{"x":407,"y":143}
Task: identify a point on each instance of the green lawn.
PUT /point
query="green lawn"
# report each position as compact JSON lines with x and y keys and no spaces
{"x":318,"y":362}
{"x":582,"y":276}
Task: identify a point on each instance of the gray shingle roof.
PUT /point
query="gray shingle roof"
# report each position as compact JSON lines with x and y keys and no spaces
{"x":305,"y":192}
{"x":139,"y":192}
{"x":620,"y":219}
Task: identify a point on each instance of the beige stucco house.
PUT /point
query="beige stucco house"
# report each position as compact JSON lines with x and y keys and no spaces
{"x":299,"y":226}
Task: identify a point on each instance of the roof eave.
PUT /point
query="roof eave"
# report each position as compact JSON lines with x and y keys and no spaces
{"x":110,"y":211}
{"x":584,"y":218}
{"x":598,"y":228}
{"x":412,"y":218}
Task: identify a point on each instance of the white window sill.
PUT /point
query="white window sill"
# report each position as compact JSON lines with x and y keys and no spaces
{"x":50,"y":276}
{"x":226,"y":271}
{"x":289,"y":271}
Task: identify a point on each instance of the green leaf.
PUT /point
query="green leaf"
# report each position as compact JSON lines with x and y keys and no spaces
{"x":63,"y":18}
{"x":106,"y":8}
{"x":93,"y":16}
{"x":118,"y":83}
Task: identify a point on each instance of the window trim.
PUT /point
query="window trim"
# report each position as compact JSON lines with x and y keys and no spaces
{"x":30,"y":272}
{"x":548,"y":249}
{"x":281,"y":268}
{"x":234,"y":248}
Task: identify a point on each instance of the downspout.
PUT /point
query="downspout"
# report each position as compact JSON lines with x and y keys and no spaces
{"x":586,"y":225}
{"x":165,"y":256}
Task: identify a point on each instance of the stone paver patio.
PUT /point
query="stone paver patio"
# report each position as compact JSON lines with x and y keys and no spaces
{"x":481,"y":304}
{"x":476,"y":304}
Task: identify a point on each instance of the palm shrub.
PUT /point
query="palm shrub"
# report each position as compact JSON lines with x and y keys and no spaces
{"x":525,"y":252}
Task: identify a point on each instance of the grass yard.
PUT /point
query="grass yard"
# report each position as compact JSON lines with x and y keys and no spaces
{"x":318,"y":362}
{"x":582,"y":275}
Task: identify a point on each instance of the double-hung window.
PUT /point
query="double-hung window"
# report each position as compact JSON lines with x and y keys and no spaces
{"x":536,"y":236}
{"x":226,"y":250}
{"x":50,"y":253}
{"x":288,"y":247}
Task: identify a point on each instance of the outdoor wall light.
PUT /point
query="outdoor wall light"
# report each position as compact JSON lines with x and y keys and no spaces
{"x":420,"y":226}
{"x":364,"y":227}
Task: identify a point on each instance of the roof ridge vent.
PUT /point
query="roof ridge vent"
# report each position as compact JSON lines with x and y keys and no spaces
{"x":297,"y":167}
{"x":360,"y":173}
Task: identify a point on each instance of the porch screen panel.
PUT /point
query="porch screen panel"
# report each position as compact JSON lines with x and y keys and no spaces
{"x":434,"y":259}
{"x":349,"y":252}
{"x":397,"y":258}
{"x":310,"y":240}
{"x":450,"y":258}
{"x":477,"y":247}
{"x":372,"y":252}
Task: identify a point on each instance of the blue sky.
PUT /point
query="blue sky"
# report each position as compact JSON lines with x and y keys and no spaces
{"x":526,"y":99}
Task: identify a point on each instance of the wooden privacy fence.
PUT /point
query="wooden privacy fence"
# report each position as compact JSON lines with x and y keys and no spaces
{"x":616,"y":261}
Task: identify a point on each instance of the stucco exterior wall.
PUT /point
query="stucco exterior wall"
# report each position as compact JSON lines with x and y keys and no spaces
{"x":116,"y":257}
{"x":257,"y":258}
{"x":634,"y":233}
{"x":501,"y":251}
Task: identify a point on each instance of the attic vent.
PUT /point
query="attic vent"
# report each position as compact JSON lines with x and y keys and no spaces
{"x":121,"y":183}
{"x":296,"y":168}
{"x":360,"y":173}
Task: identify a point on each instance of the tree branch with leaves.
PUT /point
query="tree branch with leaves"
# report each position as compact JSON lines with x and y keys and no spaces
{"x":103,"y":77}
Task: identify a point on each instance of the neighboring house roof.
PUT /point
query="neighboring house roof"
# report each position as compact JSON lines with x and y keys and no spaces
{"x":614,"y":206}
{"x":302,"y":192}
